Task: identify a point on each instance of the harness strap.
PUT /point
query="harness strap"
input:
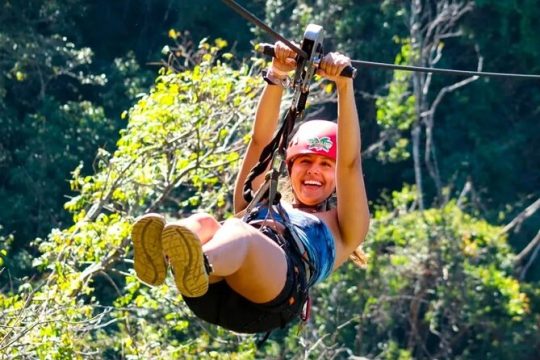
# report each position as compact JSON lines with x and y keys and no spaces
{"x":258,"y":198}
{"x":306,"y":311}
{"x":278,"y":145}
{"x":294,"y":240}
{"x":260,"y":342}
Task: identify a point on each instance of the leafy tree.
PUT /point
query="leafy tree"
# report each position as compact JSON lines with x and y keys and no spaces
{"x":438,"y":285}
{"x":500,"y":125}
{"x":440,"y":282}
{"x":48,"y":127}
{"x":178,"y":152}
{"x":78,"y":55}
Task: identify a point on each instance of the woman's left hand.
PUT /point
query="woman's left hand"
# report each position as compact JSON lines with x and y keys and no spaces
{"x":331,"y":66}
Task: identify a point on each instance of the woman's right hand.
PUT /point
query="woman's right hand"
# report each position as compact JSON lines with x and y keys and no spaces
{"x":284,"y":60}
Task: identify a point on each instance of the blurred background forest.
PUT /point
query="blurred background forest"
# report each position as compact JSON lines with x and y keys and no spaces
{"x":109,"y":109}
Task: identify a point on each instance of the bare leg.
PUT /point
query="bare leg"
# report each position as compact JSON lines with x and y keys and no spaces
{"x":203,"y":225}
{"x":251,"y":263}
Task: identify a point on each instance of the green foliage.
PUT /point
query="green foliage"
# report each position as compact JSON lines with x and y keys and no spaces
{"x":56,"y":139}
{"x":5,"y":243}
{"x":49,"y":124}
{"x":396,"y":112}
{"x":179,"y":151}
{"x":438,"y":285}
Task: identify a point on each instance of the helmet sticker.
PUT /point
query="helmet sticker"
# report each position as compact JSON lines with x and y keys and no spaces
{"x":320,"y":143}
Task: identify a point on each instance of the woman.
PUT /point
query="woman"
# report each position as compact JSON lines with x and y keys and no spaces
{"x":253,"y":275}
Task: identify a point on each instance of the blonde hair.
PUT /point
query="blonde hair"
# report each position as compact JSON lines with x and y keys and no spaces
{"x":358,"y":256}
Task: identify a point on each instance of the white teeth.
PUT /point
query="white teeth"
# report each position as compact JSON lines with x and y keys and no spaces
{"x":312,"y":182}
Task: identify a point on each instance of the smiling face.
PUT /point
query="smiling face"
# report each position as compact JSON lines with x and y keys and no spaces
{"x":312,"y":178}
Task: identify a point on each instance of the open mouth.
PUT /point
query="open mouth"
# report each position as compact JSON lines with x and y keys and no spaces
{"x":312,"y":184}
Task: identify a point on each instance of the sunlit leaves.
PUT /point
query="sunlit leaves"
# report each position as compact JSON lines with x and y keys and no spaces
{"x":173,"y":34}
{"x":5,"y":243}
{"x":178,"y":153}
{"x":440,"y":275}
{"x":443,"y":260}
{"x":396,"y":112}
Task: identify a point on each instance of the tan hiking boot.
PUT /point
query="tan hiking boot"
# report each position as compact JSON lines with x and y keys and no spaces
{"x":149,"y":262}
{"x":183,"y":249}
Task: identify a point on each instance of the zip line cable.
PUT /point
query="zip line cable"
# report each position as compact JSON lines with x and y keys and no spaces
{"x":256,"y":21}
{"x":441,"y":71}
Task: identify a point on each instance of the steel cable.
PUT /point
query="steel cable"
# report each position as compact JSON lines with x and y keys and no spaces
{"x":256,"y":21}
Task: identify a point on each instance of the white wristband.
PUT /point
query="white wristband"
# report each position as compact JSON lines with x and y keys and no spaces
{"x":277,"y":72}
{"x":273,"y":79}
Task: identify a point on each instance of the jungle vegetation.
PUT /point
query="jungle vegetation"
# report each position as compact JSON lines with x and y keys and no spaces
{"x":110,"y":109}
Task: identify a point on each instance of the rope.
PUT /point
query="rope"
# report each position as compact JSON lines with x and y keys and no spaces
{"x":256,"y":21}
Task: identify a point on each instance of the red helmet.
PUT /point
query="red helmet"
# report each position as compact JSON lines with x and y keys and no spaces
{"x":314,"y":137}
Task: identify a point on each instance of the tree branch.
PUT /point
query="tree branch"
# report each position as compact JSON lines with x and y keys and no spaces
{"x":533,"y":244}
{"x":524,"y":215}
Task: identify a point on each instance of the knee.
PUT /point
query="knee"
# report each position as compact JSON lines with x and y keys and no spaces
{"x":238,"y":231}
{"x":204,"y":225}
{"x":206,"y":221}
{"x":237,"y":226}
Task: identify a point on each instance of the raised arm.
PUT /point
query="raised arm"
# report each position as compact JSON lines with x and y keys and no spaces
{"x":266,"y":120}
{"x":352,"y":205}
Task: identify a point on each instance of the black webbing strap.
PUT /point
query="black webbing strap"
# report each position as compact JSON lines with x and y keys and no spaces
{"x":278,"y":145}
